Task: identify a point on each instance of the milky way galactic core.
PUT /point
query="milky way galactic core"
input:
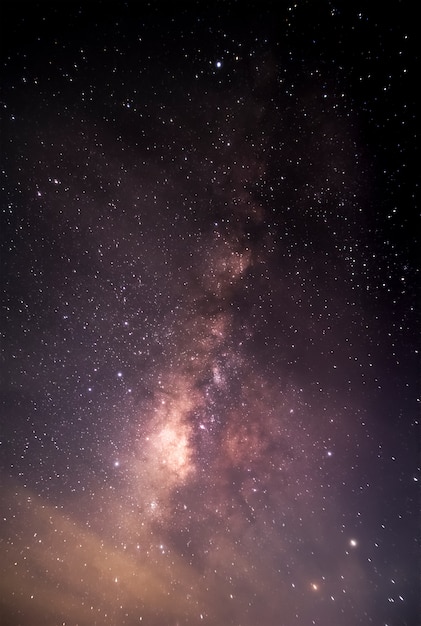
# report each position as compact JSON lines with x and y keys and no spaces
{"x":209,"y":315}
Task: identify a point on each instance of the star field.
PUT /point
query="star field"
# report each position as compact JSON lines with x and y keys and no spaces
{"x":210,"y":312}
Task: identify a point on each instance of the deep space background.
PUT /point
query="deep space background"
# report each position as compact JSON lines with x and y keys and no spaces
{"x":210,"y":314}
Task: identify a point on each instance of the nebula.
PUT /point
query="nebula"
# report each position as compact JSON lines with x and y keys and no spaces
{"x":210,"y":366}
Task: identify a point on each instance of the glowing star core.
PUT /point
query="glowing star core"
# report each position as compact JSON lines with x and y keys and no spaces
{"x":172,"y":444}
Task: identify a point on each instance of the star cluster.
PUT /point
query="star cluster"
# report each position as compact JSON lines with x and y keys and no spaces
{"x":209,"y":315}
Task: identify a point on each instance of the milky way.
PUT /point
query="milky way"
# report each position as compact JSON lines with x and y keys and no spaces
{"x":210,"y":349}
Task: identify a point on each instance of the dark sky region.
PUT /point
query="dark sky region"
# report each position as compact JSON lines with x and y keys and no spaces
{"x":210,"y":314}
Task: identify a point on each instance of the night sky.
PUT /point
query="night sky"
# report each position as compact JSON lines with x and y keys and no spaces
{"x":209,"y":272}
